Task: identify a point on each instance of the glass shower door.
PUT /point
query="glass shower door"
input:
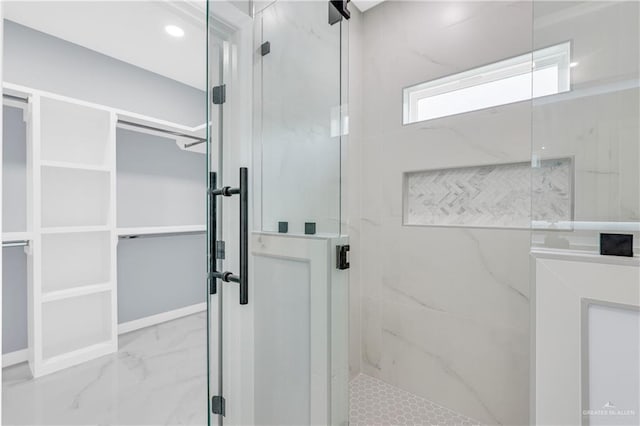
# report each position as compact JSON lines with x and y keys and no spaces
{"x":586,"y":162}
{"x":278,"y":351}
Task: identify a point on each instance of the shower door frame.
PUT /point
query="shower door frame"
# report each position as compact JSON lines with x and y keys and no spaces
{"x":232,"y":357}
{"x":229,"y":148}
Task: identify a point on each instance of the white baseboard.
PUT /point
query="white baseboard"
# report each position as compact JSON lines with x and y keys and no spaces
{"x":127,"y":327}
{"x":13,"y":358}
{"x":17,"y":357}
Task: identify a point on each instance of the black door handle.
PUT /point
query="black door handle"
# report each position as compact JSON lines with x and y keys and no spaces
{"x":243,"y":278}
{"x":244,"y":236}
{"x":213,"y":234}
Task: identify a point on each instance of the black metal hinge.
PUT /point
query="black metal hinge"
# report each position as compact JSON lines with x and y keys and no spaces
{"x":342,"y":258}
{"x":265,"y":48}
{"x":217,"y":405}
{"x":337,"y":10}
{"x":219,"y":95}
{"x":220,"y":250}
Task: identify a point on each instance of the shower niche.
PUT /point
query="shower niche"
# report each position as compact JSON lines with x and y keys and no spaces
{"x":493,"y":196}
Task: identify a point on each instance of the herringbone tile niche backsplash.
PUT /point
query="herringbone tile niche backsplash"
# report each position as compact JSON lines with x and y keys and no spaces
{"x":498,"y":195}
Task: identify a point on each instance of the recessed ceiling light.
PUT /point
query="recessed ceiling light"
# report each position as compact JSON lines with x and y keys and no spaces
{"x":573,"y":64}
{"x":174,"y":31}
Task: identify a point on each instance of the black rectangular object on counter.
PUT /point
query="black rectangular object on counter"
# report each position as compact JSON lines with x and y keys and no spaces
{"x":616,"y":245}
{"x":310,"y":228}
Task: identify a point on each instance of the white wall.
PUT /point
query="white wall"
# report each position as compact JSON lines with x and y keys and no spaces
{"x":444,"y":310}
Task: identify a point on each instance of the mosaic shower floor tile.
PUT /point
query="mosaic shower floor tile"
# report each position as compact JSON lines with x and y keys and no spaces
{"x":376,"y":403}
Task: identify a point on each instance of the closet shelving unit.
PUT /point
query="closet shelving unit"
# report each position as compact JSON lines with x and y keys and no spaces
{"x":72,"y":234}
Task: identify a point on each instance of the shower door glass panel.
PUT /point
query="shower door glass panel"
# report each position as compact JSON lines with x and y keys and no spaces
{"x":301,"y":126}
{"x":594,"y":127}
{"x":300,"y":129}
{"x":594,"y":130}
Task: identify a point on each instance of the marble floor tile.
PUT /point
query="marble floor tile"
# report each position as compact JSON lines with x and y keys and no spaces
{"x":157,"y":377}
{"x":376,"y":403}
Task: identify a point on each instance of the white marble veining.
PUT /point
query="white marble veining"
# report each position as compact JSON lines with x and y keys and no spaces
{"x":157,"y":377}
{"x":376,"y":403}
{"x":498,"y":195}
{"x":452,"y":332}
{"x":445,"y":310}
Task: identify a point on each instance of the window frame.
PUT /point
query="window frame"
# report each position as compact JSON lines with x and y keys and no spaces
{"x":556,"y":55}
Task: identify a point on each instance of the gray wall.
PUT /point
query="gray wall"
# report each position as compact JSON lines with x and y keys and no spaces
{"x":158,"y":183}
{"x":14,"y":299}
{"x":14,"y":184}
{"x":14,"y":273}
{"x":38,"y":60}
{"x":160,"y":274}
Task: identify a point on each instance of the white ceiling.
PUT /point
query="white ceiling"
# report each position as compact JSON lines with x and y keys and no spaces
{"x":131,"y":31}
{"x":364,"y":5}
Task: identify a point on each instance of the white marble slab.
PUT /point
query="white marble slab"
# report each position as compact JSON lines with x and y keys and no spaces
{"x":445,"y":309}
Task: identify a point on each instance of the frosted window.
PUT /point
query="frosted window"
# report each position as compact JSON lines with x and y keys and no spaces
{"x":540,"y":73}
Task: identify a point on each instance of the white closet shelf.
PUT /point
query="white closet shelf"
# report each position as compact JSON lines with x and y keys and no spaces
{"x":52,"y":296}
{"x":75,"y":166}
{"x":17,"y":236}
{"x":128,"y":116}
{"x":75,"y":229}
{"x":155,"y":230}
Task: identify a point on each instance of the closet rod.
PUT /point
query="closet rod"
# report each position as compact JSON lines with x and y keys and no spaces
{"x":15,"y":98}
{"x":197,"y":139}
{"x":20,"y":243}
{"x":190,"y":144}
{"x":159,"y":234}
